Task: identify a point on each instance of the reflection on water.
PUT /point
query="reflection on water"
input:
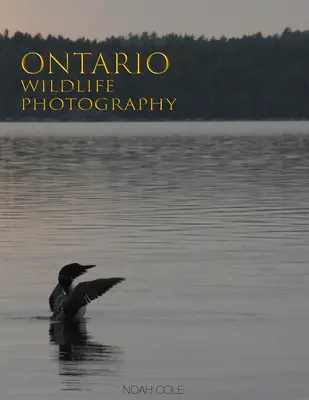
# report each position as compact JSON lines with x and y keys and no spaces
{"x":79,"y":356}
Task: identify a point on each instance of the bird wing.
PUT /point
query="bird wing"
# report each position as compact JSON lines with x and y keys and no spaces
{"x":73,"y":271}
{"x":85,"y":292}
{"x":54,"y":294}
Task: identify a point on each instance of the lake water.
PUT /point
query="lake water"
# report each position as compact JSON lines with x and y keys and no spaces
{"x":208,"y":222}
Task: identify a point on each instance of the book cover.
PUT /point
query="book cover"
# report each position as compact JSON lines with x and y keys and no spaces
{"x":154,"y":199}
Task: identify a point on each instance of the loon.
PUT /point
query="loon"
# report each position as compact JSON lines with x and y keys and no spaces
{"x":69,"y":303}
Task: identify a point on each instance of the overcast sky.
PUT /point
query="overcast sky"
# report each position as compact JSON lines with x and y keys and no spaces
{"x":102,"y":18}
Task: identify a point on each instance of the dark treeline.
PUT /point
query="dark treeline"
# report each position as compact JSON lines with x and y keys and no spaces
{"x":252,"y":77}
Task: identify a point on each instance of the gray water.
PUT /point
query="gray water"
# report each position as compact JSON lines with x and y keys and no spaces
{"x":209,"y":225}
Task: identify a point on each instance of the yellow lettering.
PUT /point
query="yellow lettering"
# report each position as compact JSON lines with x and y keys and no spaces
{"x":25,"y":102}
{"x":171,"y":103}
{"x":30,"y":84}
{"x":116,"y":103}
{"x":54,"y":99}
{"x":96,"y":104}
{"x":53,"y":58}
{"x":66,"y":81}
{"x":82,"y":60}
{"x":23,"y":63}
{"x":167,"y":63}
{"x":85,"y":99}
{"x":100,"y":63}
{"x":130,"y":104}
{"x":36,"y":103}
{"x":121,"y":64}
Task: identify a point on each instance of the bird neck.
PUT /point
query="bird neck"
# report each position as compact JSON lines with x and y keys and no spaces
{"x":65,"y":284}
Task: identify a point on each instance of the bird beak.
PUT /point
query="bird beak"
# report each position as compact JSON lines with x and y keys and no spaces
{"x":89,"y":266}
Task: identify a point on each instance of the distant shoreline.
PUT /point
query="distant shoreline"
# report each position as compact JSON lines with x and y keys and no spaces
{"x":148,"y":120}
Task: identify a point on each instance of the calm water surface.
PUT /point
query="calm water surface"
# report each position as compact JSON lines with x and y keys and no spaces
{"x":208,"y":223}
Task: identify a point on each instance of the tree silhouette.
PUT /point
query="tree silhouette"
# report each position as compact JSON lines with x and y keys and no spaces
{"x":253,"y":77}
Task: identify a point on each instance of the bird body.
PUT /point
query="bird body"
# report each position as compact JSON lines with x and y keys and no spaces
{"x":70,"y":303}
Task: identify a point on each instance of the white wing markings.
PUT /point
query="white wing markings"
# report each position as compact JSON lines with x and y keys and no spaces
{"x":87,"y":298}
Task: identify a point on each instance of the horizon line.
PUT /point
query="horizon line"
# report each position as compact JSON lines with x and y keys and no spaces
{"x":287,"y":29}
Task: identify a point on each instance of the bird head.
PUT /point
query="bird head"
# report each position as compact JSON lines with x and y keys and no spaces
{"x":69,"y":272}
